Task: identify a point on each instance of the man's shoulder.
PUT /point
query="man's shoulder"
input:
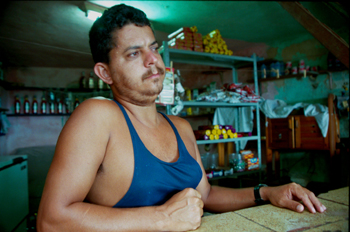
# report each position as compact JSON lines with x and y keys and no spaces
{"x":97,"y":107}
{"x":98,"y":103}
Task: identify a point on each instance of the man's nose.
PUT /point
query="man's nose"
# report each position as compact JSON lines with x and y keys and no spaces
{"x":150,"y":58}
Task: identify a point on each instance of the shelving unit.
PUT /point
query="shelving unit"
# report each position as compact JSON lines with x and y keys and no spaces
{"x":233,"y":62}
{"x":36,"y":115}
{"x":15,"y":86}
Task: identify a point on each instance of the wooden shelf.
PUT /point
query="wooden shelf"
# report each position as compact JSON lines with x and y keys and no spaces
{"x":237,"y":174}
{"x":18,"y":86}
{"x":299,"y":75}
{"x":35,"y":115}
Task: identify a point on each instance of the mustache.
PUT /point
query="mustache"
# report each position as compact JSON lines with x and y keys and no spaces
{"x":150,"y":73}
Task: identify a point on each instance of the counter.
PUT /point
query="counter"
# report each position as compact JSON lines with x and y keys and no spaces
{"x":272,"y":218}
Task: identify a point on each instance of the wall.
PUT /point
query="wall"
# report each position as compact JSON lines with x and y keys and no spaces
{"x":308,"y":166}
{"x":29,"y":131}
{"x":310,"y":89}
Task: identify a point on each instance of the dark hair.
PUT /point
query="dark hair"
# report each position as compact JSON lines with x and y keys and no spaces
{"x":113,"y":19}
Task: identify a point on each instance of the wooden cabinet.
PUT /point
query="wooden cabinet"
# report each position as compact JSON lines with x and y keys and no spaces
{"x":298,"y":132}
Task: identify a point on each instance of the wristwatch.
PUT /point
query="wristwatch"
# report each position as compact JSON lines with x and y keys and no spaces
{"x":258,"y":199}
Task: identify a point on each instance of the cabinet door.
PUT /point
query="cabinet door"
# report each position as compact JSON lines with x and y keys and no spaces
{"x":281,"y":133}
{"x":308,"y":134}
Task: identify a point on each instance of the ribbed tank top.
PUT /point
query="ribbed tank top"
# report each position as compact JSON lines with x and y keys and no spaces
{"x":155,"y":181}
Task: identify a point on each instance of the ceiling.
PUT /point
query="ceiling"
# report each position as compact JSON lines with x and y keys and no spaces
{"x":55,"y":33}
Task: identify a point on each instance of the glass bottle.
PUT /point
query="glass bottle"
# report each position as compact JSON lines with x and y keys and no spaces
{"x":26,"y":107}
{"x":17,"y":105}
{"x":34,"y":106}
{"x":43,"y":107}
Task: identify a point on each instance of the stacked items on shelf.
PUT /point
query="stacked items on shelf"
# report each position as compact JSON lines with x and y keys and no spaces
{"x":249,"y":159}
{"x":230,"y":93}
{"x":214,"y":43}
{"x":188,"y":38}
{"x":243,"y":161}
{"x":240,"y":162}
{"x":197,"y":40}
{"x":215,"y":132}
{"x":279,"y":68}
{"x":181,"y":39}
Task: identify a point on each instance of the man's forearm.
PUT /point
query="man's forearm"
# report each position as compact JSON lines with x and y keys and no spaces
{"x":82,"y":216}
{"x":222,"y":199}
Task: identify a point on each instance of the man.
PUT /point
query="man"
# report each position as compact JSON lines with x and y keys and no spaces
{"x":122,"y":166}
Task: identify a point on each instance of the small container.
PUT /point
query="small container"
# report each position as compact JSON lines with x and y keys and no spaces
{"x":17,"y":105}
{"x":263,"y":71}
{"x":43,"y":107}
{"x":204,"y":158}
{"x":231,"y":159}
{"x":214,"y":161}
{"x":34,"y":105}
{"x":239,"y":164}
{"x":91,"y":81}
{"x":288,"y":69}
{"x":26,"y":107}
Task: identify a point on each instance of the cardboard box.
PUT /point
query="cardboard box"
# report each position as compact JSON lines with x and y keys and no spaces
{"x":166,"y":97}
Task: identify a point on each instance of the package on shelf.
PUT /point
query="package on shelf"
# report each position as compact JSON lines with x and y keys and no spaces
{"x":180,"y":30}
{"x":245,"y":92}
{"x":166,"y":97}
{"x":186,"y":38}
{"x":197,"y":40}
{"x":181,"y":39}
{"x":214,"y":43}
{"x":219,"y":96}
{"x":246,"y":154}
{"x":252,"y":163}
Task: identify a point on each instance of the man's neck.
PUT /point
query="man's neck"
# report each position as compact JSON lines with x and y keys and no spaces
{"x":146,"y":114}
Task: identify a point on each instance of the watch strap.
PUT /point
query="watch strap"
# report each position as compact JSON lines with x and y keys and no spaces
{"x":258,"y":199}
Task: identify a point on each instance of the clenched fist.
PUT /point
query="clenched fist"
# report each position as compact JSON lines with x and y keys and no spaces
{"x":183,"y":211}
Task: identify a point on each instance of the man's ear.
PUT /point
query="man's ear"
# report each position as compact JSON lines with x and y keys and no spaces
{"x":102,"y":71}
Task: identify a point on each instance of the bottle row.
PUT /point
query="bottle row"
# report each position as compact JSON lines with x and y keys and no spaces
{"x":91,"y":82}
{"x":44,"y":107}
{"x":51,"y":102}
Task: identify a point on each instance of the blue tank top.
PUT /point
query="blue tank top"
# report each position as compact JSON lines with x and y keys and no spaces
{"x":155,"y":181}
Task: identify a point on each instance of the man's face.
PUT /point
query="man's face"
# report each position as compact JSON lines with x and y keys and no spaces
{"x":136,"y":67}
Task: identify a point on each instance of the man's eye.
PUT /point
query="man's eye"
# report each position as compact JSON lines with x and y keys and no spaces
{"x":133,"y":54}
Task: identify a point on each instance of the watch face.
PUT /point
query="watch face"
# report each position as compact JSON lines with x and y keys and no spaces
{"x":258,"y":199}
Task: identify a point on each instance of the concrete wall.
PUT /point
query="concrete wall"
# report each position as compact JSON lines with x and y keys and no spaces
{"x":29,"y":131}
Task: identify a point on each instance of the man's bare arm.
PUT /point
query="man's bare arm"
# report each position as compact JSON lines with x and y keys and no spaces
{"x":79,"y":152}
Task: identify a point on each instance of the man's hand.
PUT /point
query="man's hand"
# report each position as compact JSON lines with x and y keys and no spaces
{"x":290,"y":195}
{"x":184,"y":210}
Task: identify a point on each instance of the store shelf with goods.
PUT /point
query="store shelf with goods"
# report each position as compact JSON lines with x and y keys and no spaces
{"x":216,"y":60}
{"x":237,"y":174}
{"x":35,"y":115}
{"x":218,"y":104}
{"x":254,"y":137}
{"x":19,"y":86}
{"x":312,"y":74}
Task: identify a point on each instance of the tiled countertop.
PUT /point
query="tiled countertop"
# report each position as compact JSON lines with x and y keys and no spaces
{"x":271,"y":218}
